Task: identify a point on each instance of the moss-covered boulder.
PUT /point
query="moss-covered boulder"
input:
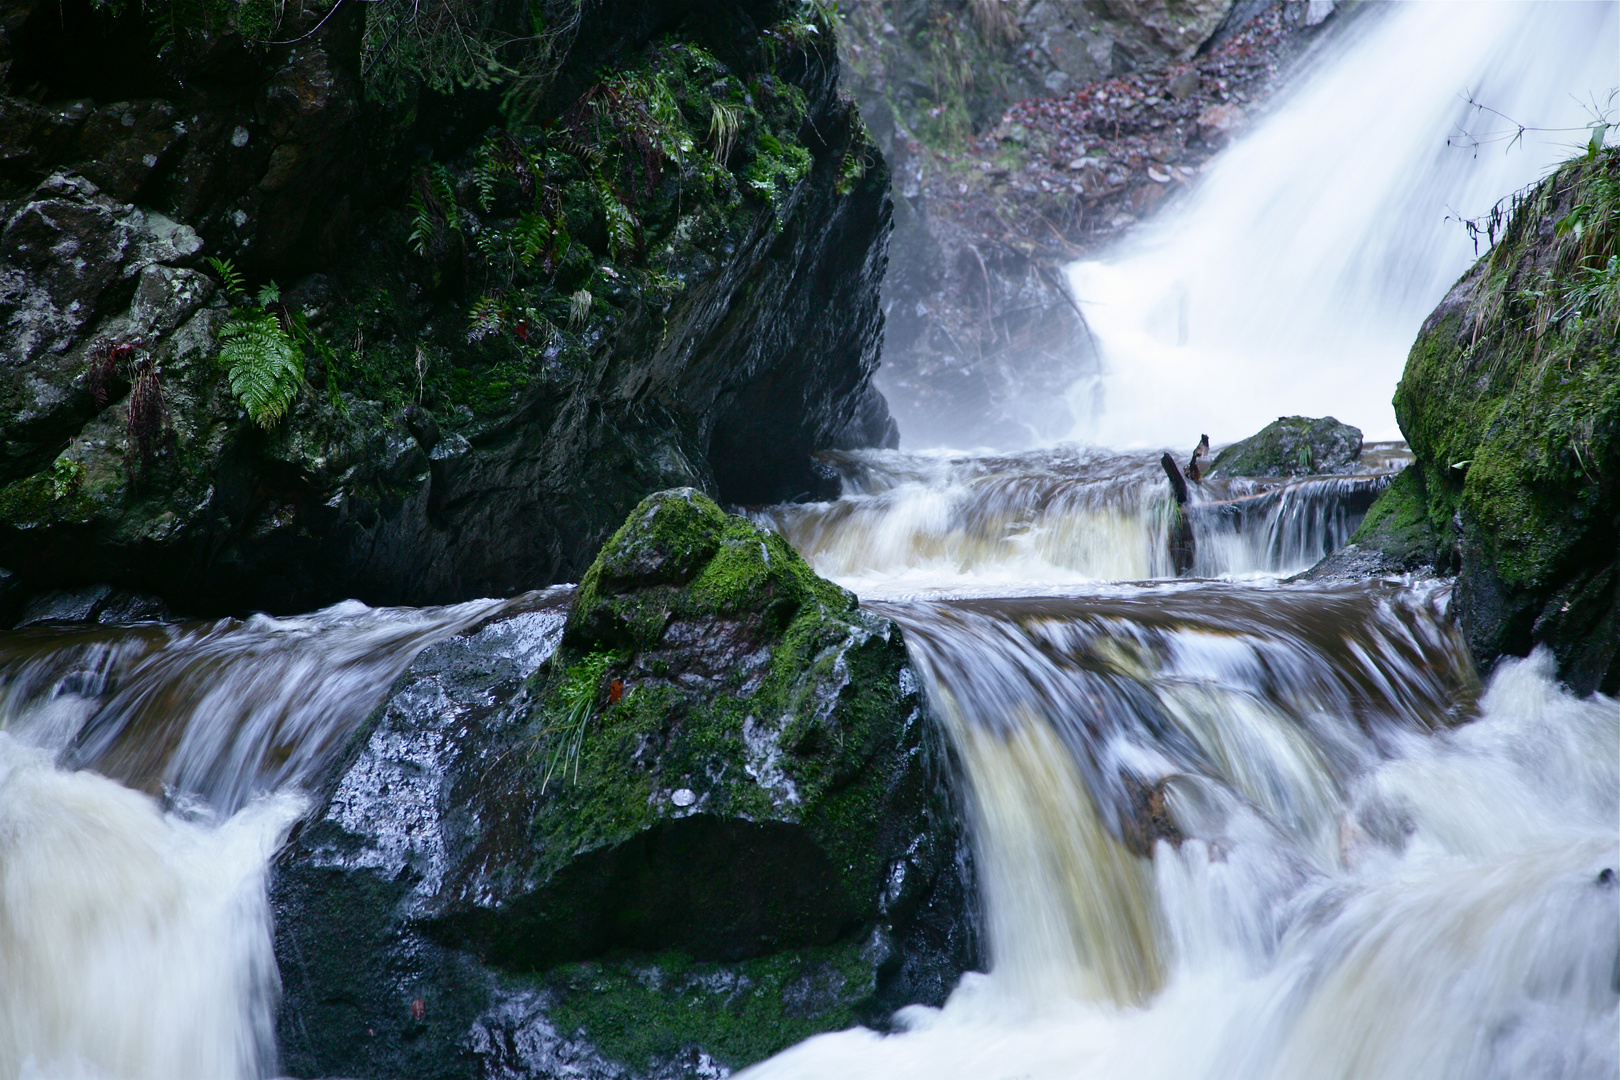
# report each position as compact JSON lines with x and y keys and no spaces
{"x":727,"y":759}
{"x":1511,"y":403}
{"x":713,"y":821}
{"x":1292,"y":446}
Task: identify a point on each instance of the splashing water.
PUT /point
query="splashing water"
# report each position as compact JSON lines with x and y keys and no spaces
{"x":134,"y":939}
{"x":1296,"y":276}
{"x":1253,"y":830}
{"x":217,"y":712}
{"x":1348,"y":889}
{"x":1044,"y":519}
{"x":1231,"y":829}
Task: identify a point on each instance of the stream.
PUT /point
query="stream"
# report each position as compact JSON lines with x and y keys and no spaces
{"x":1231,"y":824}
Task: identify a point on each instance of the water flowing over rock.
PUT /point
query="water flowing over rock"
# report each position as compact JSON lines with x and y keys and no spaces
{"x":1022,"y":136}
{"x":703,"y":794}
{"x":513,"y":325}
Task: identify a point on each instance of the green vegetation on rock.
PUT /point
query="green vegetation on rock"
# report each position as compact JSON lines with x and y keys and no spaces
{"x":1511,"y":403}
{"x":1398,"y":523}
{"x":519,"y":303}
{"x":803,"y":694}
{"x":642,"y":1012}
{"x":1292,"y":446}
{"x":264,"y":365}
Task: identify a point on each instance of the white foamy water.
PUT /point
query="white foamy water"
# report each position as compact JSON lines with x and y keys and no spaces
{"x":133,"y":943}
{"x":1070,"y":516}
{"x":135,"y":937}
{"x":1230,"y":830}
{"x":1456,"y":924}
{"x":1296,"y":276}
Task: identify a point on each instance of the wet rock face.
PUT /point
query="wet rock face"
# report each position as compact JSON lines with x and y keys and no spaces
{"x":706,"y":798}
{"x":1511,"y":402}
{"x":719,"y":339}
{"x":1292,"y":446}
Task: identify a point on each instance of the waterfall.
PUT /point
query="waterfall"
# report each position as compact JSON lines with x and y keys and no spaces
{"x":1069,"y":515}
{"x":1360,"y":868}
{"x":1295,"y":276}
{"x":134,"y":929}
{"x":1225,"y":824}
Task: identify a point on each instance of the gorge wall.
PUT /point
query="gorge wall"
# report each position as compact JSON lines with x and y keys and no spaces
{"x":473,"y":301}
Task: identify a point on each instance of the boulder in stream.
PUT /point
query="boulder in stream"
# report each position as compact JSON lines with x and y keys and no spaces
{"x":668,"y":824}
{"x":1292,"y":446}
{"x":1511,"y":403}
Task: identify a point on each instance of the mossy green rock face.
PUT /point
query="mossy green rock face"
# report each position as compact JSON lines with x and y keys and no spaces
{"x":1511,"y":403}
{"x":1292,"y":446}
{"x":727,"y":756}
{"x":516,"y":322}
{"x":698,"y":818}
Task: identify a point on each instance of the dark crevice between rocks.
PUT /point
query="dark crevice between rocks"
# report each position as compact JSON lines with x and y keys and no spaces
{"x":77,"y":48}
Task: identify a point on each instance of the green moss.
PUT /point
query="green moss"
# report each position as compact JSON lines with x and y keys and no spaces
{"x":1291,"y":446}
{"x":777,"y":166}
{"x":641,"y":1012}
{"x":1511,"y":394}
{"x":1398,"y":522}
{"x":51,"y":496}
{"x":680,"y":560}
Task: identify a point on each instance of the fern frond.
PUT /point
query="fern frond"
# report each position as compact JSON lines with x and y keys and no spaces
{"x":229,"y":279}
{"x":421,"y":226}
{"x":488,"y":316}
{"x":621,"y":223}
{"x":264,"y":366}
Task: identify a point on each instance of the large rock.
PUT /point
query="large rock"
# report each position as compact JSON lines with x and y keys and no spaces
{"x":507,"y":343}
{"x":701,"y":818}
{"x":1511,"y":402}
{"x":1292,"y":446}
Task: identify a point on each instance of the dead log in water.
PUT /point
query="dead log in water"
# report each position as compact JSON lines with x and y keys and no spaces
{"x":1180,"y":542}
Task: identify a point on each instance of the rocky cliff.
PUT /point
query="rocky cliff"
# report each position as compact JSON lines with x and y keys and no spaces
{"x":1511,"y":402}
{"x":413,"y":302}
{"x":661,"y":827}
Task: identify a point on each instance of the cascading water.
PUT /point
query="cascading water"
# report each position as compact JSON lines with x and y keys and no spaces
{"x":1069,"y":515}
{"x":1224,"y":828}
{"x":1295,"y":277}
{"x":1264,"y":834}
{"x":1253,"y":830}
{"x":135,"y":939}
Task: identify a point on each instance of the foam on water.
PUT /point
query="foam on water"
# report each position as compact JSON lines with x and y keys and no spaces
{"x":1464,"y":929}
{"x":1067,"y":516}
{"x":135,"y":931}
